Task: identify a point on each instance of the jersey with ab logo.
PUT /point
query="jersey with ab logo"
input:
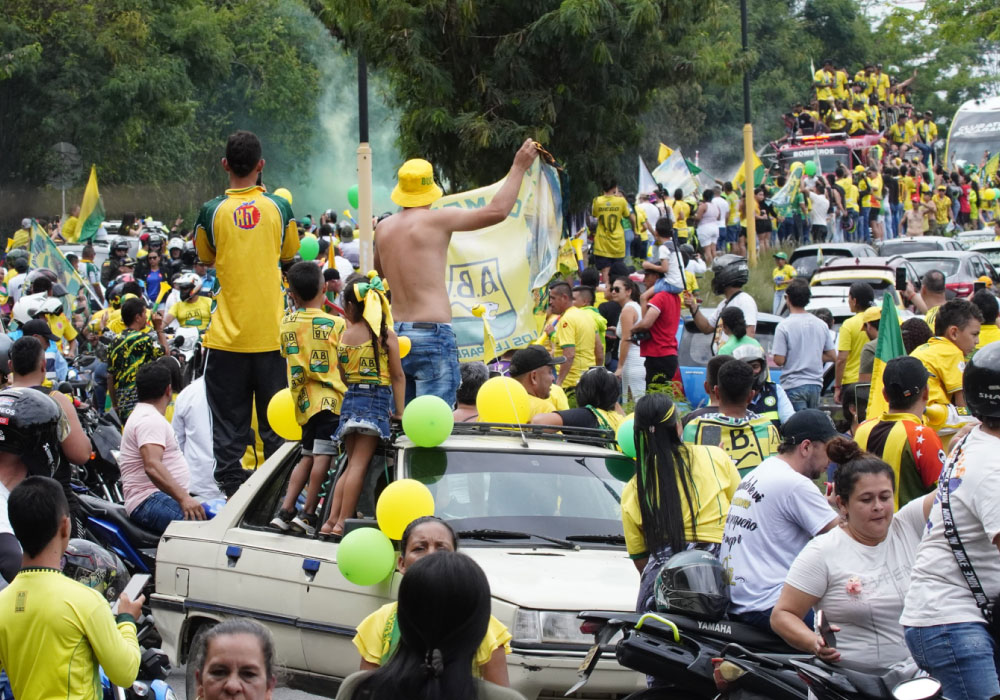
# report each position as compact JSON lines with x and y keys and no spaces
{"x":309,"y":342}
{"x":748,"y":441}
{"x":319,"y":361}
{"x":322,"y":327}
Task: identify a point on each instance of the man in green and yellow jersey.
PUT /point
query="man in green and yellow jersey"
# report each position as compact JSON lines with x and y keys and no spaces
{"x":681,"y":211}
{"x":246,"y":233}
{"x":610,"y":209}
{"x":852,"y":338}
{"x":942,"y":210}
{"x":824,"y":81}
{"x":576,"y":335}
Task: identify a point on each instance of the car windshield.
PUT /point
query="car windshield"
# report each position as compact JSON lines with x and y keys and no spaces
{"x":890,"y":248}
{"x":806,"y":262}
{"x":561,"y":495}
{"x":879,"y":285}
{"x":948,"y":266}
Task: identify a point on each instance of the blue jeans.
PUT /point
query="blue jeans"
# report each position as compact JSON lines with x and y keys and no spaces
{"x":925,"y":149}
{"x":897,"y":216}
{"x":156,"y":512}
{"x":662,"y":286}
{"x":431,"y":366}
{"x":864,"y":228}
{"x":962,"y":656}
{"x":5,"y":691}
{"x":100,"y":385}
{"x":805,"y":396}
{"x":786,"y":229}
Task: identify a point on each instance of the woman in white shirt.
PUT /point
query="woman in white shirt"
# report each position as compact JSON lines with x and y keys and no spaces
{"x":631,"y":366}
{"x":858,"y":573}
{"x":819,"y":207}
{"x":708,"y":216}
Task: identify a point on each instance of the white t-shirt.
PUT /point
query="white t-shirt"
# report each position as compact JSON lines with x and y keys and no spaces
{"x":723,"y":205}
{"x":352,"y":251}
{"x":147,"y":426}
{"x":772,"y":517}
{"x":820,"y":207}
{"x":743,"y":301}
{"x":192,"y":426}
{"x":343,"y":266}
{"x":666,"y":255}
{"x":938,"y":593}
{"x":651,"y":212}
{"x":868,"y":616}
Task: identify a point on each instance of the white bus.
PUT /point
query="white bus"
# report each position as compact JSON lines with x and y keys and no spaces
{"x":974,"y":129}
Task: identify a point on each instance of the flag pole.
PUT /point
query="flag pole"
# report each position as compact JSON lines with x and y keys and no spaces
{"x":366,"y":252}
{"x":748,"y":152}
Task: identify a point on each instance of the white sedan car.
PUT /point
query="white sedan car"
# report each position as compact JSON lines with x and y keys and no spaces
{"x":541,"y":515}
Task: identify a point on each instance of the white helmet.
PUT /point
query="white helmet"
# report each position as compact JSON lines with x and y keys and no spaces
{"x":33,"y":305}
{"x":188,"y":284}
{"x":175,"y":243}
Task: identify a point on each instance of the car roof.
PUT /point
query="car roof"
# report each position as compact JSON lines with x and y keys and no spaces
{"x":511,"y":442}
{"x":875,"y":263}
{"x":937,"y":254}
{"x":932,"y":239}
{"x":828,"y":246}
{"x":986,"y":245}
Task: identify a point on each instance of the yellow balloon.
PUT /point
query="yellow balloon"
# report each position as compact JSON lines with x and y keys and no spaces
{"x":404,"y":346}
{"x":400,"y":504}
{"x":936,"y":414}
{"x":503,"y":400}
{"x":282,"y":192}
{"x":281,"y":415}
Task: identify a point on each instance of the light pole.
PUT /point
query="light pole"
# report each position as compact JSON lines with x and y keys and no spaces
{"x":366,"y":253}
{"x":748,"y":153}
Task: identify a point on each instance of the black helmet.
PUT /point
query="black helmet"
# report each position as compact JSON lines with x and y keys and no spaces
{"x":31,"y":426}
{"x":692,"y":583}
{"x":981,"y":382}
{"x":189,"y":254}
{"x":95,"y":567}
{"x":729,"y":271}
{"x":158,"y":240}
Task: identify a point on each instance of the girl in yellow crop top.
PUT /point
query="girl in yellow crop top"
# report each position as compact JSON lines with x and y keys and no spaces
{"x":369,"y":363}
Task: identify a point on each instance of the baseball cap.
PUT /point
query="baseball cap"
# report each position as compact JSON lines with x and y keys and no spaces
{"x":781,"y":254}
{"x":872,"y":313}
{"x":859,"y":168}
{"x":38,"y":326}
{"x":903,"y":378}
{"x":808,"y":424}
{"x":415,"y":185}
{"x":531,"y":358}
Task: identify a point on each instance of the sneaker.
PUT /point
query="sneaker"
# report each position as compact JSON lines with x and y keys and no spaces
{"x":283,"y":520}
{"x":305,"y":522}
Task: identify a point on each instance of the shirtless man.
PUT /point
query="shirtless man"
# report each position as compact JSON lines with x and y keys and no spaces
{"x":411,"y":252}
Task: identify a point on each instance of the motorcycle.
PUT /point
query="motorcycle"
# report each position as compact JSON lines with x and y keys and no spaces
{"x":185,"y":347}
{"x":101,"y":473}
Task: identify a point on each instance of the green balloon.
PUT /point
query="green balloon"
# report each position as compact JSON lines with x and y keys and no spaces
{"x":365,"y":556}
{"x":308,"y":248}
{"x":810,"y":168}
{"x":352,"y":196}
{"x":626,"y":437}
{"x":621,"y":469}
{"x":427,"y":420}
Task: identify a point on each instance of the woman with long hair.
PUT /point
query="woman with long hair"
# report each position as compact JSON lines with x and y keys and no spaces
{"x":443,"y":615}
{"x":631,"y":371}
{"x":678,"y":498}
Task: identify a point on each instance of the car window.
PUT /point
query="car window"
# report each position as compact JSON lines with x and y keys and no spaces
{"x":977,"y":267}
{"x":890,"y":248}
{"x":556,"y":494}
{"x":948,"y":266}
{"x":993,"y":256}
{"x":695,"y":349}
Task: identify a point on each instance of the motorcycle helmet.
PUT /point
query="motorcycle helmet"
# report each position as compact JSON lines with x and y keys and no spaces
{"x":58,"y":290}
{"x":692,"y":583}
{"x":31,"y":427}
{"x":188,"y":285}
{"x":34,"y":305}
{"x":156,"y":241}
{"x":95,"y":567}
{"x":331,"y":216}
{"x":729,"y":271}
{"x":981,"y":382}
{"x":175,"y":243}
{"x":189,"y":254}
{"x":15,"y":254}
{"x":120,"y":245}
{"x":750,"y":354}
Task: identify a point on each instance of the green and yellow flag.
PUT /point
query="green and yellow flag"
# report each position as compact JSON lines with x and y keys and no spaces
{"x":758,"y":173}
{"x":990,"y":170}
{"x":663,"y":153}
{"x":91,"y":209}
{"x":889,"y":345}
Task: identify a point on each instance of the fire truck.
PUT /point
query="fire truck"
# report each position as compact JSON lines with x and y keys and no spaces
{"x":830,"y":150}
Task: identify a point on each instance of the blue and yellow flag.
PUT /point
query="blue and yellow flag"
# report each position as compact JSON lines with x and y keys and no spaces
{"x":44,"y":253}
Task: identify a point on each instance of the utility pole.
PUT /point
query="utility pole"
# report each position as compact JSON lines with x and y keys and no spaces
{"x":749,"y":200}
{"x":367,"y":256}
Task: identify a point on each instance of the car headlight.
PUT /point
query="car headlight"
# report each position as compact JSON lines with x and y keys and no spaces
{"x":548,"y":627}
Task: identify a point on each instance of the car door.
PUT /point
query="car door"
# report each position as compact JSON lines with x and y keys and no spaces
{"x":991,"y":271}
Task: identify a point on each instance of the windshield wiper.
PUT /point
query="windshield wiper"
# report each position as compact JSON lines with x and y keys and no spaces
{"x":489,"y":534}
{"x":607,"y":539}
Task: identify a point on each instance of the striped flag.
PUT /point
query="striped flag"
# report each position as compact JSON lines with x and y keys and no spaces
{"x":889,"y":345}
{"x":91,"y":209}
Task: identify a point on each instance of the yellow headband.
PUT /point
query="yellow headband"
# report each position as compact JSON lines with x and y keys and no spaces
{"x":376,"y":304}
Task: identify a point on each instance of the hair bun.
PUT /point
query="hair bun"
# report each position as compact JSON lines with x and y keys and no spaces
{"x":842,"y":450}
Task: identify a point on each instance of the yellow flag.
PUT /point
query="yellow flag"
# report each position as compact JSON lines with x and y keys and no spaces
{"x":758,"y":172}
{"x":664,"y":153}
{"x":489,"y":342}
{"x":91,"y":211}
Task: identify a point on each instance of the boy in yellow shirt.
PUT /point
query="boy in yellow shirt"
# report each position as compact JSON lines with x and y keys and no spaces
{"x":782,"y":276}
{"x":310,"y":339}
{"x":956,"y":333}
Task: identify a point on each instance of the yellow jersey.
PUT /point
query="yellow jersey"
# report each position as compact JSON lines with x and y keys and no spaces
{"x":681,"y":210}
{"x":20,"y":239}
{"x":609,"y":239}
{"x":988,"y":333}
{"x":310,"y":339}
{"x":713,"y":484}
{"x":862,"y":79}
{"x":56,"y":632}
{"x":824,"y":81}
{"x":945,"y":362}
{"x":245,"y":232}
{"x":62,"y":329}
{"x":927,"y":130}
{"x":942,"y":206}
{"x":840,"y":85}
{"x":378,"y":637}
{"x":577,"y":329}
{"x":359,"y":366}
{"x":196,"y":313}
{"x":782,"y":277}
{"x":881,"y":85}
{"x":906,"y":188}
{"x":852,"y":340}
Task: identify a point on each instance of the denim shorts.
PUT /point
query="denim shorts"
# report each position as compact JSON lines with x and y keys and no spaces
{"x":663,"y":286}
{"x":317,"y":434}
{"x":366,"y":410}
{"x":431,"y":366}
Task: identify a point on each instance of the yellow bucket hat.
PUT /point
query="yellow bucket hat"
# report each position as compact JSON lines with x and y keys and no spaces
{"x":416,"y":186}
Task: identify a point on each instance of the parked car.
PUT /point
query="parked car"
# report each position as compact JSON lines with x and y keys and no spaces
{"x":971,"y":238}
{"x":990,"y":250}
{"x":879,"y":272}
{"x":961,"y":268}
{"x":805,"y":259}
{"x":917,"y":244}
{"x":100,"y":249}
{"x":539,"y":513}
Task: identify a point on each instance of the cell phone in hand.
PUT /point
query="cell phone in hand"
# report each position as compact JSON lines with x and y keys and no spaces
{"x":900,"y":278}
{"x":133,"y":589}
{"x":825,"y":630}
{"x":976,"y":286}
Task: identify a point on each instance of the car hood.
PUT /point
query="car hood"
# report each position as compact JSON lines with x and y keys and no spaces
{"x":545,"y":578}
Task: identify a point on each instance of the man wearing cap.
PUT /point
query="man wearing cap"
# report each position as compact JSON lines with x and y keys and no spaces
{"x":776,"y":510}
{"x":56,"y":367}
{"x":246,"y":233}
{"x":942,"y":210}
{"x":870,"y":318}
{"x":411,"y":251}
{"x":533,"y":368}
{"x":783,"y":274}
{"x":899,"y":436}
